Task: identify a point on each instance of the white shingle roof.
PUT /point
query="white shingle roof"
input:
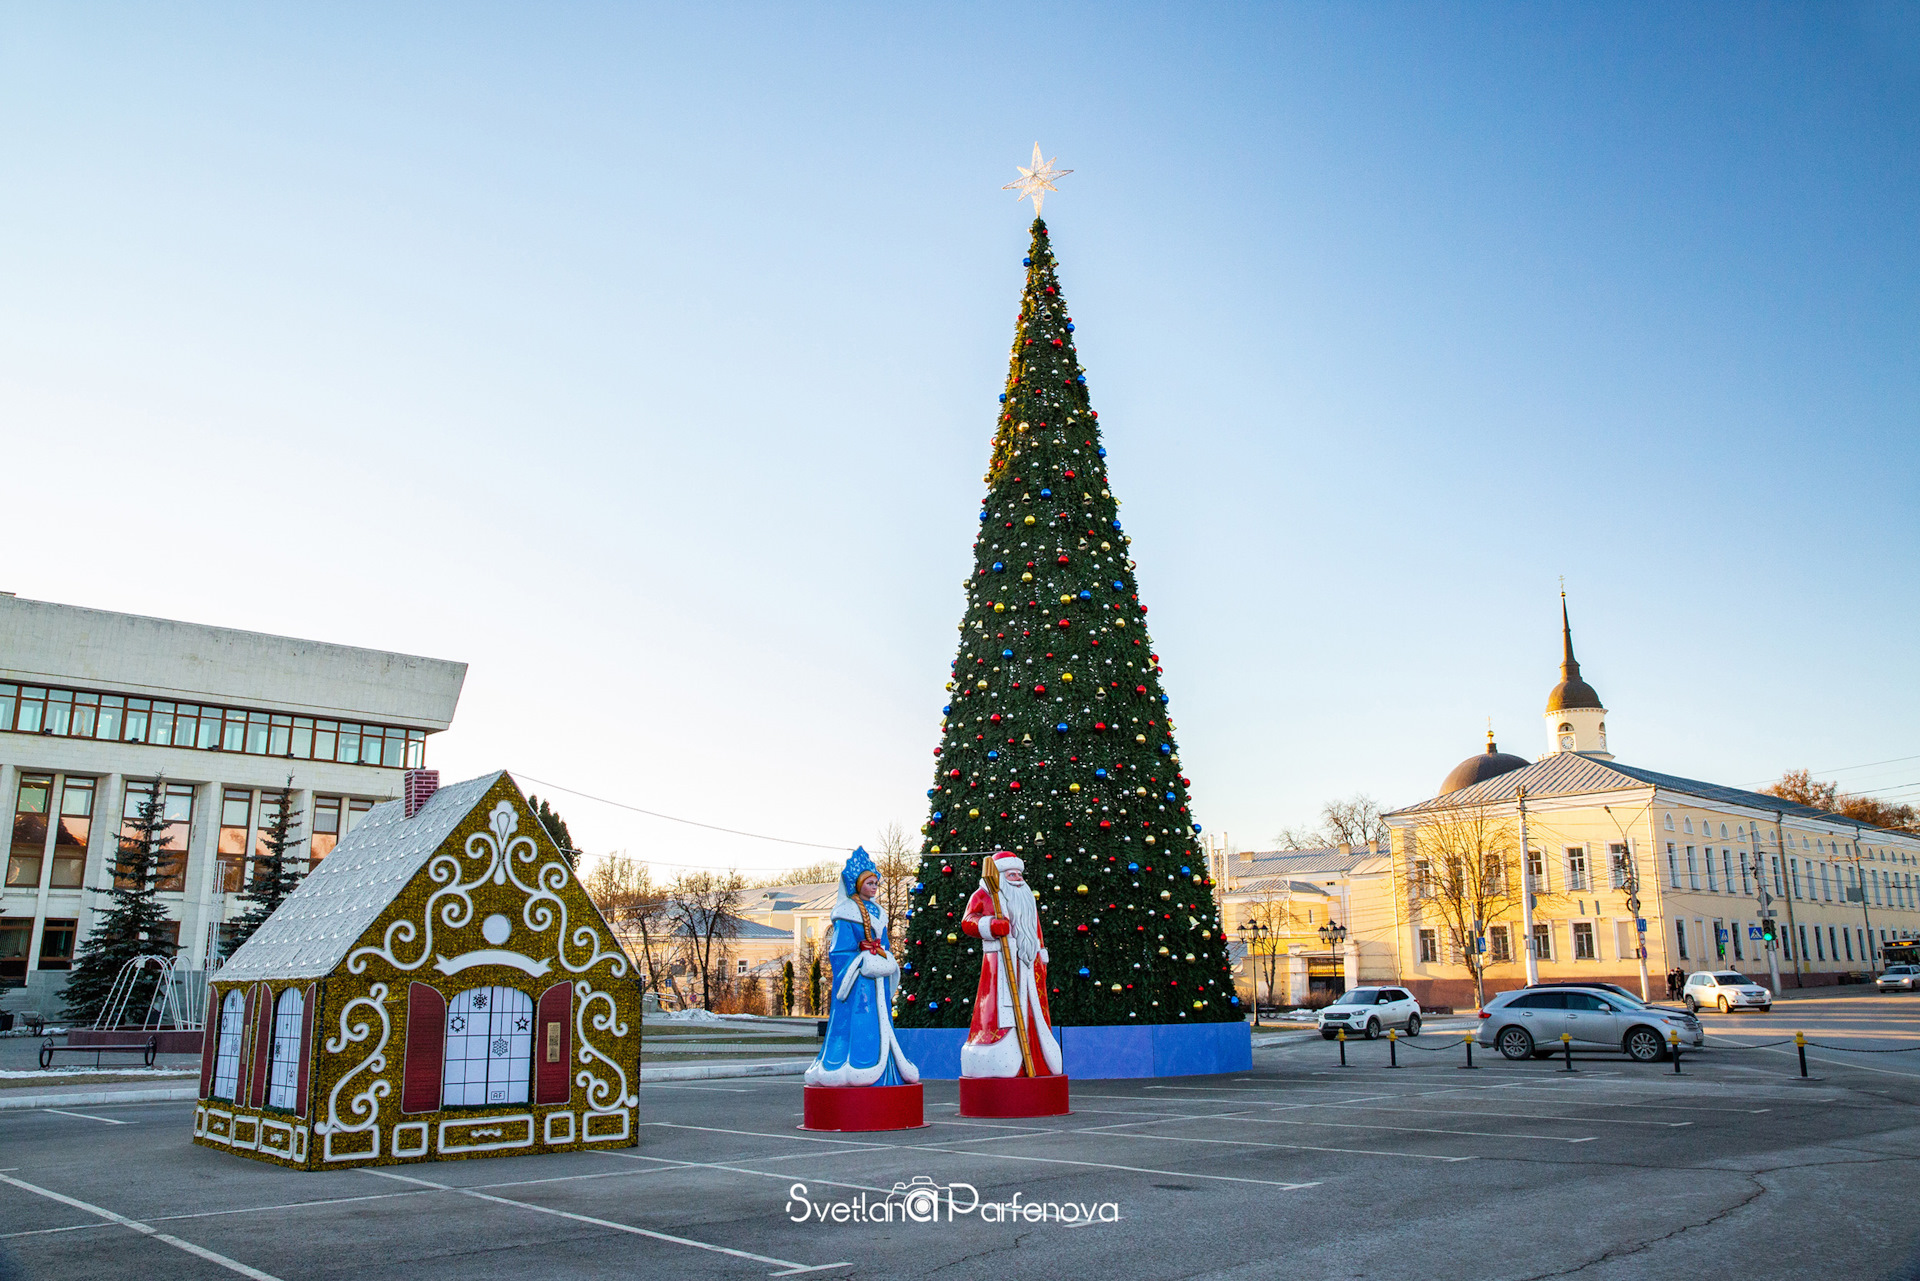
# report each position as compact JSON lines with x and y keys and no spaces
{"x":309,"y":935}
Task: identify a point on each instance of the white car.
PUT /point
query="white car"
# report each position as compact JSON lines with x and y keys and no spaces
{"x":1370,"y":1011}
{"x":1899,"y":978}
{"x":1726,"y":991}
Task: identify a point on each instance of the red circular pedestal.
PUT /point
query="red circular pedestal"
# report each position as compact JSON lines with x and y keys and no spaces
{"x":863,"y":1107}
{"x":1013,"y":1096}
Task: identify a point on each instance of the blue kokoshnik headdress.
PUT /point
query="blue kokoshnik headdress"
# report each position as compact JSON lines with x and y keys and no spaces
{"x":858,"y":865}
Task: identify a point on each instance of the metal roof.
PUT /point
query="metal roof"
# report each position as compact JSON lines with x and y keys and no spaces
{"x":1249,"y":864}
{"x":1574,"y":774}
{"x":308,"y":936}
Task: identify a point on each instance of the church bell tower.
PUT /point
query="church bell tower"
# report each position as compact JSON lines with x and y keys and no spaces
{"x":1576,"y":720}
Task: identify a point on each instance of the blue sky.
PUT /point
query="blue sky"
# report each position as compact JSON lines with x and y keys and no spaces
{"x":646,"y":360}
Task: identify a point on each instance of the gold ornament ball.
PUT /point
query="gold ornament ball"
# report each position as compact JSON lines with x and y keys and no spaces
{"x":1199,"y":1005}
{"x":1027,"y":577}
{"x":1149,"y":840}
{"x":1140,"y":738}
{"x":1079,"y":889}
{"x":973,"y":813}
{"x":983,"y":684}
{"x":1116,"y":987}
{"x":1066,"y":598}
{"x":1189,"y":958}
{"x":1163,"y":951}
{"x":1166,"y":893}
{"x":1073,"y":787}
{"x":1029,"y":520}
{"x":953,"y":938}
{"x":999,"y":607}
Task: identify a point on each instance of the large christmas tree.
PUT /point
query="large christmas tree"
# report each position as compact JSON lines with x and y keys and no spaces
{"x":1056,"y":742}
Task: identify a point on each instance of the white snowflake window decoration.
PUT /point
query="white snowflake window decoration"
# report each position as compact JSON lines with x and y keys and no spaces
{"x":489,"y":1052}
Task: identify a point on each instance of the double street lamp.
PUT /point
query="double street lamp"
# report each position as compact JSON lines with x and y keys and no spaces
{"x":1333,"y":935}
{"x":1256,"y":933}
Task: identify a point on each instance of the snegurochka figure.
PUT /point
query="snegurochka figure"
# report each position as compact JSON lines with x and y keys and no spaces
{"x":860,"y":1048}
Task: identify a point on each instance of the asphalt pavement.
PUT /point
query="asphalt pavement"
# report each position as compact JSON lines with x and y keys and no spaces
{"x":1297,"y":1169}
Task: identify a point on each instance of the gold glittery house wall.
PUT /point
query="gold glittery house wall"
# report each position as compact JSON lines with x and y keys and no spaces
{"x":486,"y":1009}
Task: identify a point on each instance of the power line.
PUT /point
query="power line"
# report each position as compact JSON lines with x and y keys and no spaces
{"x":711,"y":827}
{"x":1842,"y":769}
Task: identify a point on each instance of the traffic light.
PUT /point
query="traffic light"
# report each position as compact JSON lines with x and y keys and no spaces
{"x":1767,"y":930}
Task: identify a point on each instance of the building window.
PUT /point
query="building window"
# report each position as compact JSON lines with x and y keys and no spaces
{"x":326,"y":827}
{"x":65,"y":713}
{"x":1624,"y":945}
{"x":1429,"y":947}
{"x":1778,"y":888}
{"x":56,"y":943}
{"x":1669,"y":822}
{"x":1746,"y":882}
{"x":70,"y":837}
{"x":1707,"y":853}
{"x":1618,"y":864}
{"x":1673,"y":867}
{"x":170,"y":871}
{"x":1537,"y":870}
{"x":1499,"y":944}
{"x":226,"y":1056}
{"x":1826,"y":886}
{"x":1686,"y":823}
{"x":489,"y":1047}
{"x":16,"y":935}
{"x":236,"y":812}
{"x":1793,"y":874}
{"x":1583,"y":949}
{"x":31,"y":805}
{"x":1693,"y":870}
{"x":1576,"y":867}
{"x":283,"y":1084}
{"x":1680,"y":938}
{"x":1543,"y":942}
{"x":1833,"y":941}
{"x":1733,"y":928}
{"x":1819,"y":944}
{"x":740,"y":967}
{"x":1846,"y":937}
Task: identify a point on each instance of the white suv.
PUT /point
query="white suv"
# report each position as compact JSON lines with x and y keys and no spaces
{"x":1369,"y":1011}
{"x":1727,"y":991}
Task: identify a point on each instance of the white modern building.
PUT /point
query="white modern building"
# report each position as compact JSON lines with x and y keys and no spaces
{"x":98,"y":709}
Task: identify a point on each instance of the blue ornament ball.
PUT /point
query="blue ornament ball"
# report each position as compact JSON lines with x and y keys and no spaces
{"x":1116,"y":526}
{"x":1046,"y":493}
{"x":1026,"y":262}
{"x":1084,"y":971}
{"x":993,"y":756}
{"x":1133,"y":867}
{"x":1119,"y":586}
{"x":1062,"y":727}
{"x":999,"y":567}
{"x":1086,"y":595}
{"x":1003,"y":397}
{"x":1069,"y":328}
{"x":1006,"y":653}
{"x":1100,"y":773}
{"x":1102,"y":451}
{"x":1165,"y":750}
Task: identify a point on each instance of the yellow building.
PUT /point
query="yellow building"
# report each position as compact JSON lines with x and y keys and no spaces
{"x":1711,"y":867}
{"x":1306,"y":924}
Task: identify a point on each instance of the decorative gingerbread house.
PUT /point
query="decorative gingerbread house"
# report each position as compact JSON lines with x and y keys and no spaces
{"x":440,"y":986}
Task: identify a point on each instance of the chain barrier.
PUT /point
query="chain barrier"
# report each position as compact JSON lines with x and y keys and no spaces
{"x":1675,"y":1050}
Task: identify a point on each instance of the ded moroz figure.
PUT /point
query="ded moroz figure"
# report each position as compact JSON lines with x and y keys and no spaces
{"x":862,"y":1079}
{"x":1011,"y":1063}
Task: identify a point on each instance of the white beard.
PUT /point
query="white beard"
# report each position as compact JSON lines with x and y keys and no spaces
{"x":1018,"y":904}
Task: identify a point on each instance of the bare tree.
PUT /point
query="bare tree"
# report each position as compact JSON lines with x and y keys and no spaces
{"x":812,"y":874}
{"x":624,"y":891}
{"x":1354,"y":821}
{"x":1800,"y":787}
{"x":898,"y":865}
{"x":1300,"y":838}
{"x":704,"y":910}
{"x":1463,"y":873}
{"x":1270,"y":911}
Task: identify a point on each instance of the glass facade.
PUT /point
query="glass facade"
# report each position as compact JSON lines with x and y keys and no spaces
{"x":67,"y":713}
{"x":30,"y":814}
{"x":177,"y":810}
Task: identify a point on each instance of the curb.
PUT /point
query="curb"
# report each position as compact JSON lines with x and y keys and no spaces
{"x":151,"y":1094}
{"x":717,"y":1071}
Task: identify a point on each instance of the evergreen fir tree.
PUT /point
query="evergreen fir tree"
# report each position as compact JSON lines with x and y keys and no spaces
{"x":131,"y":925}
{"x":276,"y":873}
{"x":555,"y":825}
{"x":1056,"y":743}
{"x":786,"y":989}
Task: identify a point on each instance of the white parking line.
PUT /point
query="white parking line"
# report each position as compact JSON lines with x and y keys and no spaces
{"x":1525,"y":1116}
{"x":144,"y":1229}
{"x":1005,"y":1156}
{"x":104,"y":1120}
{"x":787,"y":1266}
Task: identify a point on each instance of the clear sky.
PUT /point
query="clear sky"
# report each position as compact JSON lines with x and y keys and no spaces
{"x":646,"y":360}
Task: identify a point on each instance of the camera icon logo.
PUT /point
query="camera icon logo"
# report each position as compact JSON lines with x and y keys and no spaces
{"x":920,"y":1198}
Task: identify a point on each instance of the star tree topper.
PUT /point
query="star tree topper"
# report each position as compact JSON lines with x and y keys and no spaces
{"x":1038,"y":180}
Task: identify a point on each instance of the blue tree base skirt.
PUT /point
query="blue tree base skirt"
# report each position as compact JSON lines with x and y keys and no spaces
{"x":1099,"y":1053}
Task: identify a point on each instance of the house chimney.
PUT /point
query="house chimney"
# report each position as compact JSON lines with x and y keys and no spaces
{"x":1344,"y":848}
{"x":1373,"y":847}
{"x":416,"y":786}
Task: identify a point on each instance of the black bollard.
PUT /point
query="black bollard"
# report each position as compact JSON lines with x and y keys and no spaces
{"x":1343,"y":1047}
{"x":1800,"y":1043}
{"x":1393,"y":1049}
{"x":1566,"y":1039}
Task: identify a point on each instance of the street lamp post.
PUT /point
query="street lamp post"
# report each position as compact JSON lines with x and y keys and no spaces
{"x":1333,"y":935}
{"x":1256,"y":933}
